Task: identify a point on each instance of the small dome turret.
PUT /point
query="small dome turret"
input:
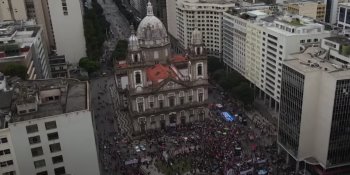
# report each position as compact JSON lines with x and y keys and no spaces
{"x":133,"y":42}
{"x":196,"y":38}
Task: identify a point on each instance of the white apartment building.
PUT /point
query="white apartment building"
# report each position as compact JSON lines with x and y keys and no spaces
{"x":206,"y":15}
{"x":314,"y":108}
{"x":68,"y":30}
{"x":23,"y":43}
{"x":50,"y":130}
{"x":12,"y":10}
{"x":258,"y":43}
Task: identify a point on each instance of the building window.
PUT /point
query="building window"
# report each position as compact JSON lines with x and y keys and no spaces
{"x":190,"y":95}
{"x":6,"y":163}
{"x":151,"y":102}
{"x":50,"y":125}
{"x":200,"y":69}
{"x":171,"y":101}
{"x":137,"y":77}
{"x":32,"y":128}
{"x":39,"y":163}
{"x":52,"y":136}
{"x":139,"y":102}
{"x":34,"y":140}
{"x":38,"y":151}
{"x":42,"y":173}
{"x":57,"y":159}
{"x":3,"y":140}
{"x":60,"y":171}
{"x":200,"y":95}
{"x":55,"y":147}
{"x":5,"y":152}
{"x":64,"y":7}
{"x":160,"y":101}
{"x":9,"y":173}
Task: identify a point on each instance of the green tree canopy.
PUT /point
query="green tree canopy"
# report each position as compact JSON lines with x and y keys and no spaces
{"x":244,"y":93}
{"x":214,"y":64}
{"x":16,"y":70}
{"x":90,"y":65}
{"x":121,"y":50}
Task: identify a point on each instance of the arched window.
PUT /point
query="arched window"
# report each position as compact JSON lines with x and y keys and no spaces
{"x":136,"y":58}
{"x":138,"y":78}
{"x":199,"y":69}
{"x":198,"y":51}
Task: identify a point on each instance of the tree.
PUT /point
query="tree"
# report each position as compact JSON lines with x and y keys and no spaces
{"x":90,"y":65}
{"x":16,"y":70}
{"x":214,"y":64}
{"x":120,"y":50}
{"x":244,"y":93}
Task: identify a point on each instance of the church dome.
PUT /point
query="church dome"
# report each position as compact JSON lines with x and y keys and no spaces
{"x":151,"y":31}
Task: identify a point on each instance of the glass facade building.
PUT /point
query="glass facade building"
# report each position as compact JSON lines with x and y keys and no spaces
{"x":339,"y":141}
{"x":291,"y":109}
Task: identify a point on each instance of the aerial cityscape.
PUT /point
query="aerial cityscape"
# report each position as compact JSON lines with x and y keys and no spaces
{"x":175,"y":87}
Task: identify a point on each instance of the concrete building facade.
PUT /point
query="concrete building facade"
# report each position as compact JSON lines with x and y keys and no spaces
{"x":205,"y":15}
{"x":67,"y":15}
{"x":314,"y":103}
{"x":23,"y":43}
{"x":259,"y":44}
{"x":11,"y":10}
{"x":49,"y":122}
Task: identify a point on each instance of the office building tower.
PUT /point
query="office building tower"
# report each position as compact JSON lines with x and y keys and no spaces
{"x":49,"y":129}
{"x":57,"y":17}
{"x":23,"y":43}
{"x":315,"y":103}
{"x":185,"y":16}
{"x":255,"y":44}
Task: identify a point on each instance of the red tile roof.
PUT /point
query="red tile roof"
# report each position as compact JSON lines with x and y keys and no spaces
{"x":159,"y":72}
{"x":179,"y":58}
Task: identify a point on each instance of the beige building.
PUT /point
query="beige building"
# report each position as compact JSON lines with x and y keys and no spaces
{"x":315,"y":10}
{"x":12,"y":10}
{"x":163,"y":90}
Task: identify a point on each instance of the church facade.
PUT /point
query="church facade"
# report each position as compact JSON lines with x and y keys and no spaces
{"x":163,"y":90}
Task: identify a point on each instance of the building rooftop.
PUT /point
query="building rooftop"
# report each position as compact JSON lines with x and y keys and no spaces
{"x":159,"y":72}
{"x":342,"y":40}
{"x":43,"y":98}
{"x":316,"y":59}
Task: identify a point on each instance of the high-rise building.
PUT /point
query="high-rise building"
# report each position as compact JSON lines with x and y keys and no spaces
{"x":23,"y":43}
{"x":314,"y":10}
{"x":163,"y":90}
{"x":11,"y":10}
{"x":343,"y":19}
{"x":255,"y":44}
{"x":45,"y":127}
{"x":315,"y":105}
{"x":185,"y":16}
{"x":67,"y":15}
{"x":332,"y":10}
{"x":57,"y":17}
